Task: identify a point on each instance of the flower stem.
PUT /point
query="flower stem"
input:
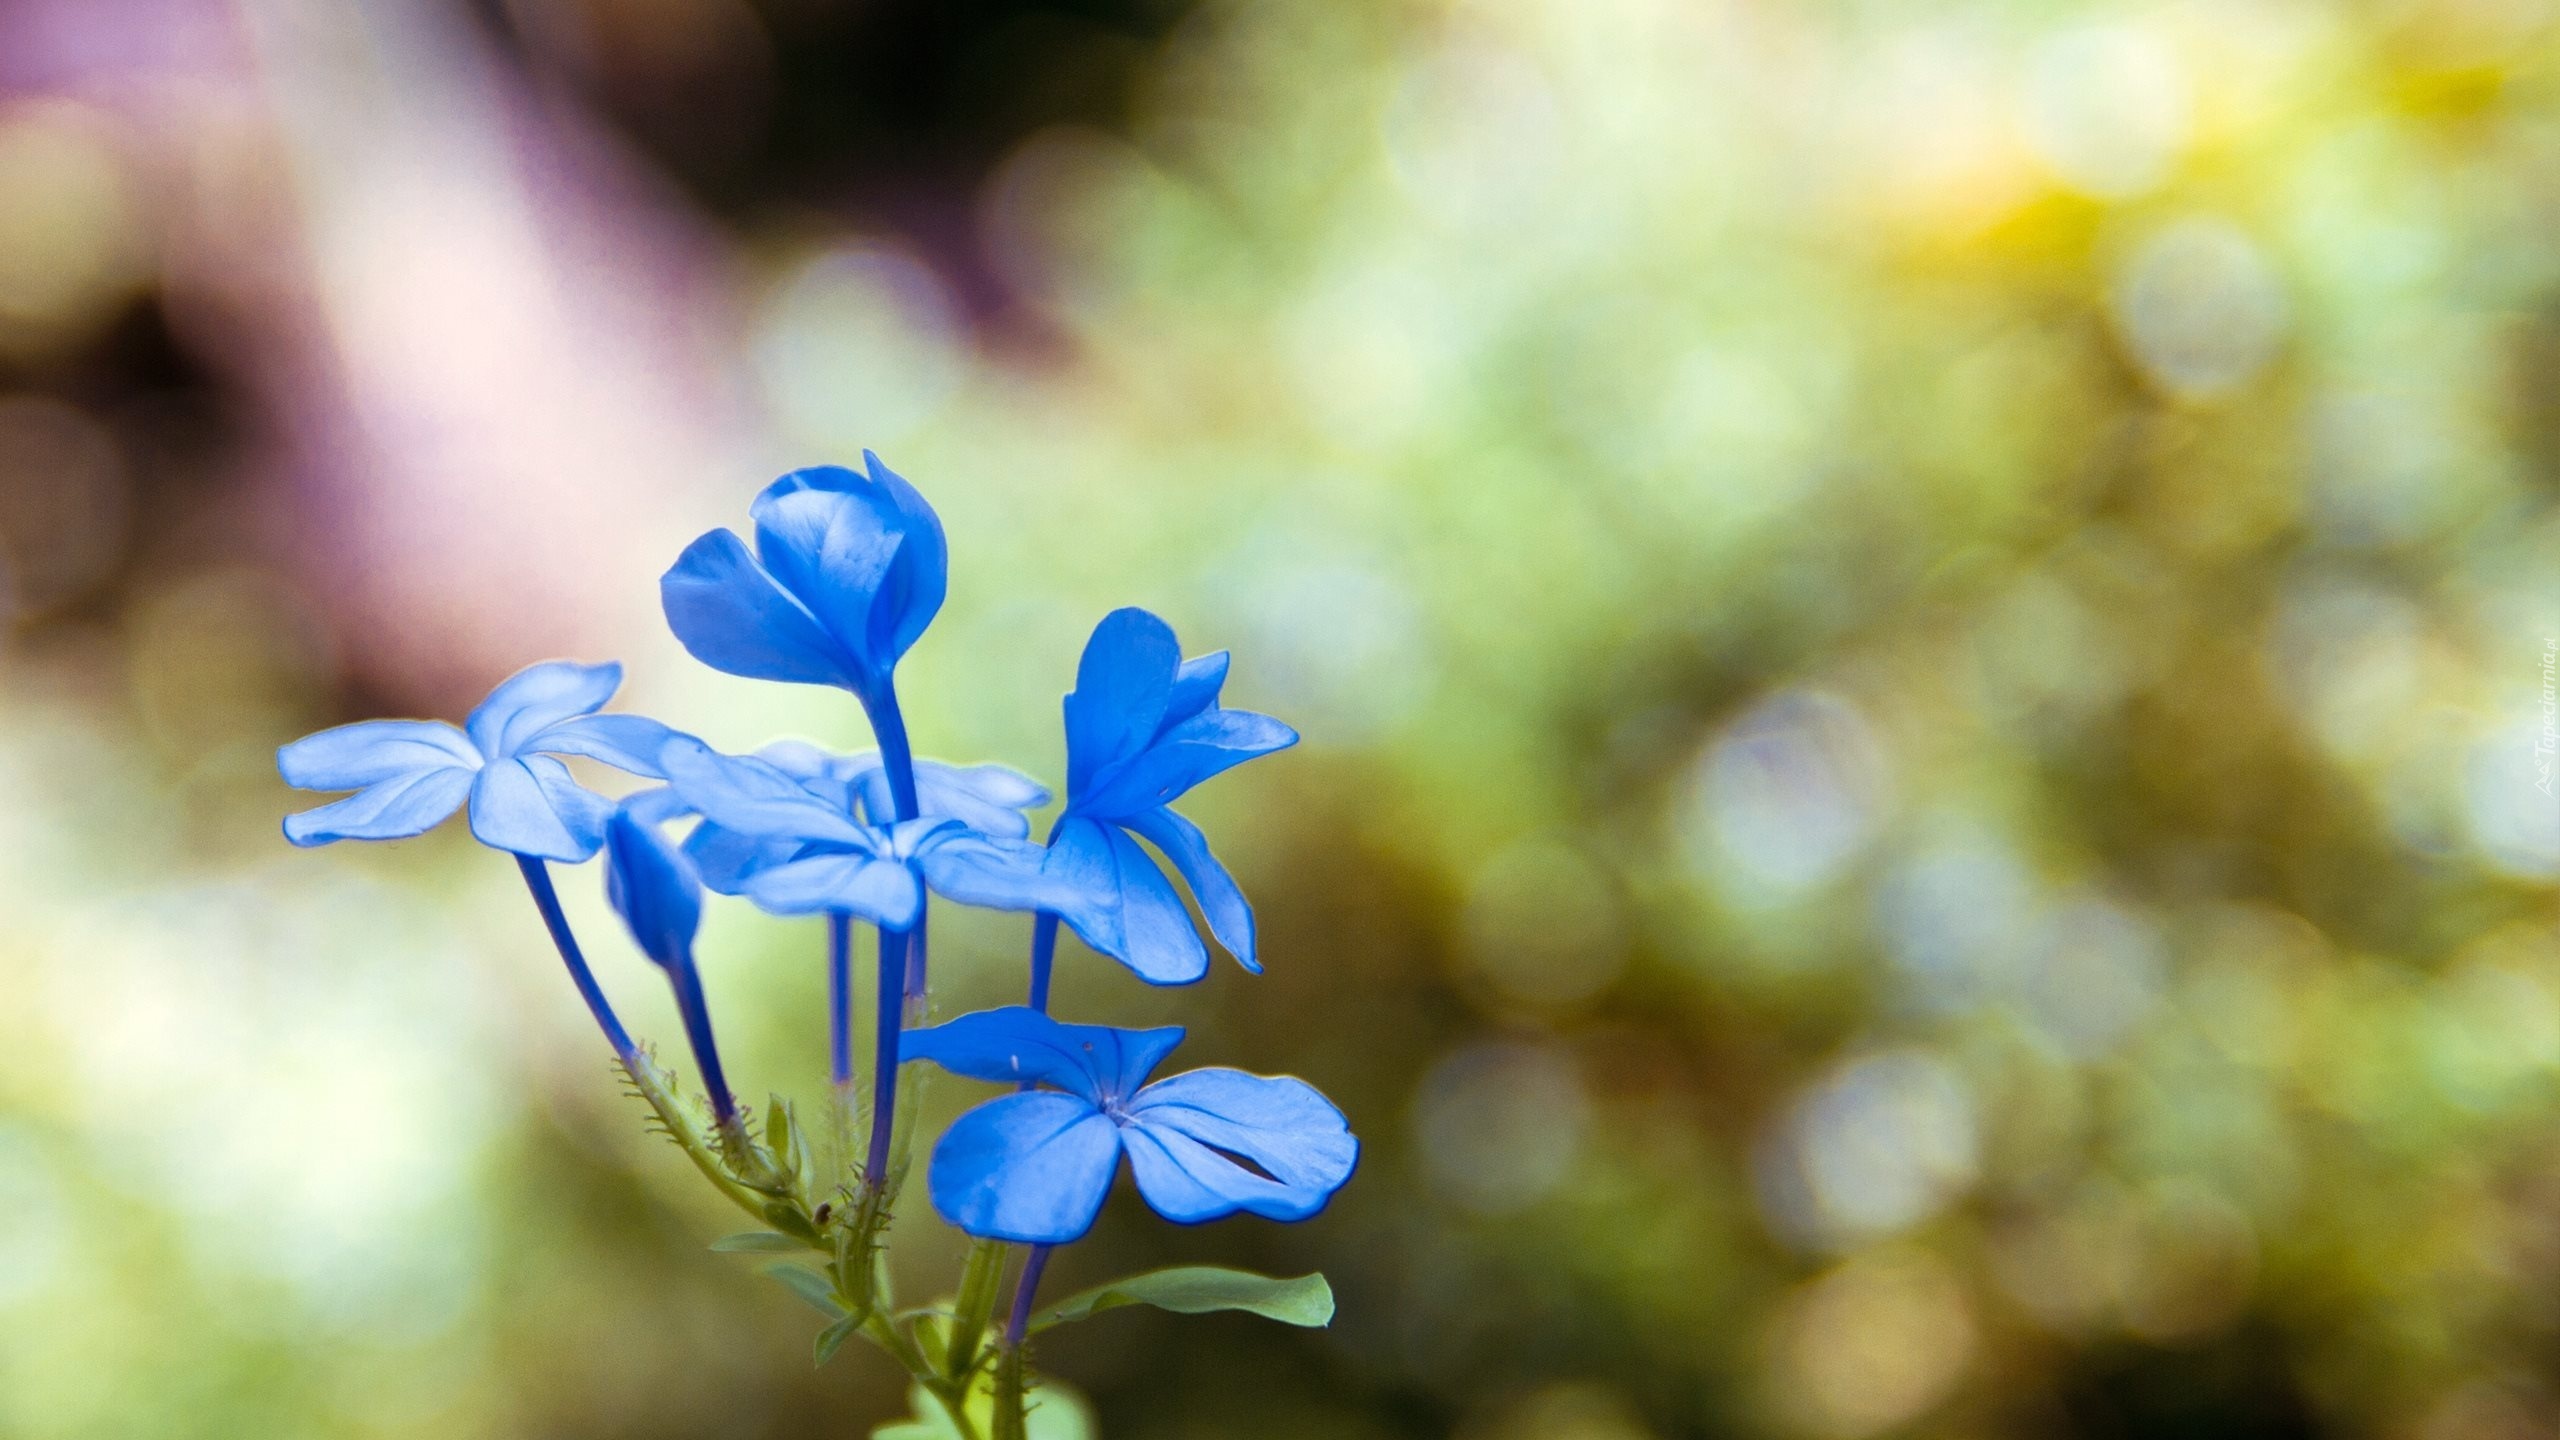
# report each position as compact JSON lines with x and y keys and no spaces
{"x":1044,"y":953}
{"x":537,"y":878}
{"x":981,"y":1280}
{"x":898,"y":763}
{"x":1044,"y":940}
{"x":884,"y":1064}
{"x":696,"y":1010}
{"x":655,"y":1087}
{"x":897,"y":759}
{"x":917,"y":966}
{"x":1023,"y":1293}
{"x":840,"y":996}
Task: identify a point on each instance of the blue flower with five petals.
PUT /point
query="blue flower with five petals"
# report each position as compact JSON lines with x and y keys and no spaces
{"x":1144,"y":726}
{"x":848,"y":569}
{"x":798,"y":850}
{"x":410,"y":775}
{"x":1034,"y":1167}
{"x":988,"y":799}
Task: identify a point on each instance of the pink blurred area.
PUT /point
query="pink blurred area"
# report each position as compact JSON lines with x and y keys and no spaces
{"x":466,"y":347}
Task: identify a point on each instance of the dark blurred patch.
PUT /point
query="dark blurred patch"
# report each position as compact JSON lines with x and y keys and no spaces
{"x":2240,"y":1387}
{"x":894,"y":110}
{"x":116,"y":453}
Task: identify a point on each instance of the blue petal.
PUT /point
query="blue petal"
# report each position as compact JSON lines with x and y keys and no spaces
{"x":625,"y":742}
{"x":1031,"y":1168}
{"x":1018,"y":1045}
{"x":1230,"y":918}
{"x":731,"y":616}
{"x":994,"y":874}
{"x":536,"y":698}
{"x":745,"y":794}
{"x":987,"y":798}
{"x":1195,"y":688}
{"x":1182,"y":1131}
{"x":833,"y":552}
{"x":352,"y":757}
{"x":922,"y":574}
{"x":1121,"y":904}
{"x":530,"y":806}
{"x":656,"y":806}
{"x":728,"y":859}
{"x":408,"y":804}
{"x":1123,"y":685}
{"x":1202,"y":746}
{"x":654,"y":889}
{"x":864,"y":551}
{"x":883,"y":892}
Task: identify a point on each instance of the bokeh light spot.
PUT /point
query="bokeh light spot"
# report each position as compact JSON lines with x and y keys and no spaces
{"x":1879,"y":1145}
{"x":2200,"y":308}
{"x":1787,"y":796}
{"x":1873,"y":1344}
{"x":858,"y":347}
{"x":1501,"y":1124}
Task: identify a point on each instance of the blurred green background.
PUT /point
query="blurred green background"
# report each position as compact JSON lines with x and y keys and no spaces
{"x":1922,"y":631}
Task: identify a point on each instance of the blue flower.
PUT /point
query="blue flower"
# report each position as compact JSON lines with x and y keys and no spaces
{"x":989,"y":799}
{"x":410,"y":775}
{"x":1144,"y":726}
{"x":653,"y":887}
{"x":846,"y":572}
{"x":798,"y":850}
{"x":1034,"y":1167}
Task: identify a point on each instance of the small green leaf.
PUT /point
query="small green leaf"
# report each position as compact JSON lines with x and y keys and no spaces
{"x":758,"y":1242}
{"x":786,"y":1217}
{"x":832,"y":1339}
{"x":1200,"y":1289}
{"x":811,"y":1286}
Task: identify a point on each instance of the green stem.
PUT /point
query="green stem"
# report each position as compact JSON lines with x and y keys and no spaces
{"x":1011,"y":1421}
{"x":653,"y":1086}
{"x":981,"y":1281}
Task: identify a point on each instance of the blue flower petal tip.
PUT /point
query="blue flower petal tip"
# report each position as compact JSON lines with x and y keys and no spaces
{"x":1034,"y":1167}
{"x":847,"y":571}
{"x":653,"y":887}
{"x":411,"y":775}
{"x":1143,"y":727}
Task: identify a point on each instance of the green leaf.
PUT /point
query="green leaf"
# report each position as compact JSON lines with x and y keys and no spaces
{"x":786,"y":1217}
{"x":832,"y":1339}
{"x":758,"y":1242}
{"x":811,"y":1286}
{"x":1200,"y":1289}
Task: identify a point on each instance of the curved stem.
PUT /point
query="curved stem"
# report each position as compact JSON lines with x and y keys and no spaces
{"x":696,"y":1010}
{"x":897,"y":759}
{"x":884,"y":1063}
{"x":840,"y":997}
{"x":1023,"y":1293}
{"x":537,"y":878}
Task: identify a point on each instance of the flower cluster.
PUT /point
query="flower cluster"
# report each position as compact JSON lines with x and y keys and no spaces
{"x":846,"y":572}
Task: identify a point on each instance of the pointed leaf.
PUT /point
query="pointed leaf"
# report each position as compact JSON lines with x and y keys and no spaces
{"x":811,"y":1286}
{"x":758,"y":1242}
{"x":832,"y":1339}
{"x":1200,"y":1289}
